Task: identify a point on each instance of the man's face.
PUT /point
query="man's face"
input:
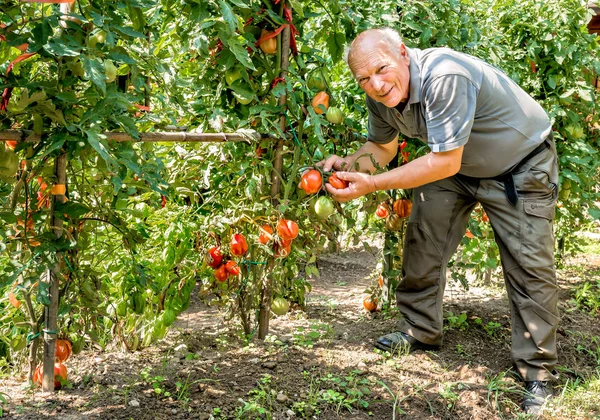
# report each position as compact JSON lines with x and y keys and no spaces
{"x":381,"y":72}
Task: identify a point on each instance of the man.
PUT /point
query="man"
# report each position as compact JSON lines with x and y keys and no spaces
{"x":490,"y":143}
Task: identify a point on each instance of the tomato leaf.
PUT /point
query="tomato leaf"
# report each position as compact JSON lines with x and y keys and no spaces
{"x":59,"y":48}
{"x":228,"y":15}
{"x":94,"y":70}
{"x":335,"y":45}
{"x":100,"y":147}
{"x":240,"y":53}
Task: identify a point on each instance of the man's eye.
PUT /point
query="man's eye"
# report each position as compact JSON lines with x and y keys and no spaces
{"x":362,"y":81}
{"x":382,"y":67}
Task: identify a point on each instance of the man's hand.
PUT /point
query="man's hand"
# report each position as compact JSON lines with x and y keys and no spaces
{"x":359,"y":184}
{"x":335,"y":162}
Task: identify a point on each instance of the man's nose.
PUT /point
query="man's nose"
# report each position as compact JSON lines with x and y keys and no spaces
{"x":376,"y":82}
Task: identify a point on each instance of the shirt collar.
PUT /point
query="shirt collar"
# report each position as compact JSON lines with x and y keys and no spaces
{"x":415,"y":76}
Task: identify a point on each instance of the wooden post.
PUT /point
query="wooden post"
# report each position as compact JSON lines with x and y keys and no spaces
{"x":267,"y":289}
{"x":53,"y":276}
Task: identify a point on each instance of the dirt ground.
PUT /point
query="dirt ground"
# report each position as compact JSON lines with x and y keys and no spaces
{"x":320,"y":363}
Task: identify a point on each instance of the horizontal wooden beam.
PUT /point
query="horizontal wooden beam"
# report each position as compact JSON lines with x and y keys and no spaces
{"x":179,"y":136}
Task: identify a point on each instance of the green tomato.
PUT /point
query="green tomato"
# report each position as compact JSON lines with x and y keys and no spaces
{"x":316,"y":81}
{"x":280,"y":306}
{"x":243,"y":99}
{"x":98,"y":37}
{"x":77,"y":69}
{"x":564,"y":194}
{"x":232,"y":75}
{"x":324,"y":207}
{"x":110,"y":71}
{"x":9,"y":163}
{"x":334,"y":115}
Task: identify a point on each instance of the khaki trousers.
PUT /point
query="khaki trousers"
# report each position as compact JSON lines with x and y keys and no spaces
{"x":524,"y":234}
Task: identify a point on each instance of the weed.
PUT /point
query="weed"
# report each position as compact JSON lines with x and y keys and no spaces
{"x":260,"y":402}
{"x":497,"y":389}
{"x":460,"y":349}
{"x":307,"y":337}
{"x":456,"y":322}
{"x":587,"y":297}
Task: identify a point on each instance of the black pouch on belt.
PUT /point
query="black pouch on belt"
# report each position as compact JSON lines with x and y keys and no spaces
{"x":507,"y":178}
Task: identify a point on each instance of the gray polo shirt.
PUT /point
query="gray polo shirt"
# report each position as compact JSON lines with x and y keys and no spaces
{"x":457,"y":99}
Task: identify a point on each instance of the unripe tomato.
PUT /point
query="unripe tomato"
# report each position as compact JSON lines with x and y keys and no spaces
{"x":316,"y":81}
{"x":63,"y":350}
{"x":232,"y":268}
{"x":60,"y":375}
{"x":334,"y":115}
{"x":324,"y":207}
{"x":382,"y":211}
{"x":265,"y":234}
{"x":311,"y":181}
{"x":214,"y":257}
{"x":98,"y":37}
{"x":393,"y":222}
{"x":232,"y":75}
{"x":287,"y":229}
{"x":110,"y":71}
{"x":280,"y":306}
{"x":221,"y":273}
{"x":239,"y":246}
{"x":268,"y":46}
{"x":321,"y":98}
{"x":337,"y":183}
{"x":370,"y":304}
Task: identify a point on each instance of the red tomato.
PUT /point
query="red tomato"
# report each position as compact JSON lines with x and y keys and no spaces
{"x":221,"y":273}
{"x":311,"y":181}
{"x":214,"y":257}
{"x":239,"y":246}
{"x":11,"y":144}
{"x":382,"y":211}
{"x":265,"y":235}
{"x":63,"y":350}
{"x":287,"y":229}
{"x":163,"y":201}
{"x":469,"y":234}
{"x":285,"y":242}
{"x":282,"y":251}
{"x":232,"y":268}
{"x":337,"y":183}
{"x":60,"y":374}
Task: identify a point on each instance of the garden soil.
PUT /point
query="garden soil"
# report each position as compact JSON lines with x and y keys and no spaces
{"x":318,"y":363}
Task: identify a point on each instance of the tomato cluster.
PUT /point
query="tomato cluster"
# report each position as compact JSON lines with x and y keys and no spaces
{"x":214,"y":258}
{"x":401,"y":210}
{"x":63,"y":351}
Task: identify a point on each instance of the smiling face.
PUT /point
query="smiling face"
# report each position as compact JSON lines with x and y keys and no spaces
{"x":380,"y":67}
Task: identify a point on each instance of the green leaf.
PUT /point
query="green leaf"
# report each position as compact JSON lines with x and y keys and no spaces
{"x":240,"y":53}
{"x":100,"y":146}
{"x":228,"y":15}
{"x":59,"y":48}
{"x":594,"y":212}
{"x":71,"y":209}
{"x":43,"y":294}
{"x":94,"y":70}
{"x":125,"y":30}
{"x":297,"y":6}
{"x":335,"y":45}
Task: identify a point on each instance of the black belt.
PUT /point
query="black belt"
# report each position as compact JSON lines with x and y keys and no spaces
{"x":507,"y":178}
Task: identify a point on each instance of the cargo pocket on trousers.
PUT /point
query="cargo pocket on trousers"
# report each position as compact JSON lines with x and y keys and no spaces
{"x":540,"y":326}
{"x":536,"y":233}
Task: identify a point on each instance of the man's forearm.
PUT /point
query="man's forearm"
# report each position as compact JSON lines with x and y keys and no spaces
{"x":362,"y":160}
{"x":429,"y":168}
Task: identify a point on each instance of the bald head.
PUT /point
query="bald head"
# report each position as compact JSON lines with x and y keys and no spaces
{"x":385,"y":40}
